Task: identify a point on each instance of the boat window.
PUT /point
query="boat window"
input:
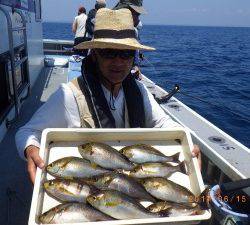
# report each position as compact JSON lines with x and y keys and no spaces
{"x":38,"y":10}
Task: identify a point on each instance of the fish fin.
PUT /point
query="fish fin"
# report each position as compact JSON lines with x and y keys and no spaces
{"x":176,"y":157}
{"x":93,"y":165}
{"x":183,"y":168}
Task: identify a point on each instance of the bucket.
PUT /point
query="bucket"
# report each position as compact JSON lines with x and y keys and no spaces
{"x":223,"y":213}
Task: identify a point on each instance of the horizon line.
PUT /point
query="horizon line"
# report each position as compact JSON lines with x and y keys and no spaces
{"x":183,"y":25}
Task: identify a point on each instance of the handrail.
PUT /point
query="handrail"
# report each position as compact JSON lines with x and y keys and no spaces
{"x":11,"y":50}
{"x":26,"y":52}
{"x":12,"y":59}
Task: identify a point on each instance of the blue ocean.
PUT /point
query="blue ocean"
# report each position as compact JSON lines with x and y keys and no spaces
{"x":210,"y":64}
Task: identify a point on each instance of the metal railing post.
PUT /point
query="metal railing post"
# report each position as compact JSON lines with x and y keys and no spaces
{"x":12,"y":62}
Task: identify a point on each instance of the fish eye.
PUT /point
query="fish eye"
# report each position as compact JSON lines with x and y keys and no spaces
{"x":51,"y":165}
{"x":51,"y":182}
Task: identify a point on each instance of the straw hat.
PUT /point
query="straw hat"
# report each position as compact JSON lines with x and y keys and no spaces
{"x":134,"y":4}
{"x":114,"y":29}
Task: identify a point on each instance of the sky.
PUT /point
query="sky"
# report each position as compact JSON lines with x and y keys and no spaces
{"x":164,"y":12}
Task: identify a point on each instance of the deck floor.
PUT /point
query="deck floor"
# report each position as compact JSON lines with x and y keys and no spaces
{"x":15,"y":186}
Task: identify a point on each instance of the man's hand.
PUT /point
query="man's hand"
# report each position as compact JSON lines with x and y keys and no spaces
{"x":34,"y":160}
{"x":197,"y":153}
{"x":137,"y":73}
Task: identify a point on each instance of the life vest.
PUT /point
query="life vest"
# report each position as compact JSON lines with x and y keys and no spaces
{"x":94,"y":109}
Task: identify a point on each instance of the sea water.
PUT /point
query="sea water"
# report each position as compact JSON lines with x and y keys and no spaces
{"x":211,"y":64}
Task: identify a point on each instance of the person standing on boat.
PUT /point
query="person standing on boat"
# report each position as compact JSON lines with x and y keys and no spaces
{"x":79,"y":29}
{"x":91,"y":17}
{"x":105,"y":96}
{"x":136,"y":8}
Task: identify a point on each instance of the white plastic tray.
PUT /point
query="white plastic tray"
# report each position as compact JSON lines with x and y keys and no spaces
{"x":58,"y":143}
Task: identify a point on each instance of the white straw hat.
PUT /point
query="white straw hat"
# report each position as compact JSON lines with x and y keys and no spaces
{"x":114,"y":29}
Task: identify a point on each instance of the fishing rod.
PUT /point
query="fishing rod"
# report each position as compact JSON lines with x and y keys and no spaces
{"x":167,"y":97}
{"x":176,"y":90}
{"x":215,"y":105}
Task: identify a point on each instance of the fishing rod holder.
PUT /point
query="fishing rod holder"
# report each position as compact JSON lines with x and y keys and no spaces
{"x":166,"y":98}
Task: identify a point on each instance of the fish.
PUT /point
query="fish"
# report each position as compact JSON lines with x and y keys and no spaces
{"x":167,"y":190}
{"x":72,"y":213}
{"x":74,"y":167}
{"x":104,"y":156}
{"x":122,"y":183}
{"x":142,"y":153}
{"x":68,"y":190}
{"x":174,"y":209}
{"x":156,"y":170}
{"x":119,"y":205}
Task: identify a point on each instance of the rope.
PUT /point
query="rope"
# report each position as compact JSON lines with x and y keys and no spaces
{"x":111,"y":98}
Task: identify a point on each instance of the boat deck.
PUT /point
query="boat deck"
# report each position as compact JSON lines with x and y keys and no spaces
{"x":15,"y":186}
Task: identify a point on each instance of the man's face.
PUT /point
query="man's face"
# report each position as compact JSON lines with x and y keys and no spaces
{"x":114,"y":64}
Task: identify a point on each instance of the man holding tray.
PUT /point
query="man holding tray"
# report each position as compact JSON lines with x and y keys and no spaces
{"x":105,"y":96}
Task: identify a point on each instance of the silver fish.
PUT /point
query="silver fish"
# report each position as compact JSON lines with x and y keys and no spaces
{"x":105,"y":156}
{"x":167,"y":190}
{"x":118,"y":205}
{"x":122,"y":183}
{"x":73,"y":167}
{"x":141,"y":153}
{"x":174,"y":209}
{"x":156,"y":170}
{"x":68,"y":190}
{"x":72,"y":213}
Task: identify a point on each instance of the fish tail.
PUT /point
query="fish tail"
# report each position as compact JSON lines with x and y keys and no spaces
{"x":197,"y":212}
{"x":176,"y":156}
{"x":163,"y":213}
{"x":204,"y":199}
{"x":122,"y":171}
{"x":151,"y":199}
{"x":183,"y":168}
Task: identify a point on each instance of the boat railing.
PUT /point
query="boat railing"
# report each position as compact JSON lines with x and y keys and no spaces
{"x":16,"y":63}
{"x":58,"y":47}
